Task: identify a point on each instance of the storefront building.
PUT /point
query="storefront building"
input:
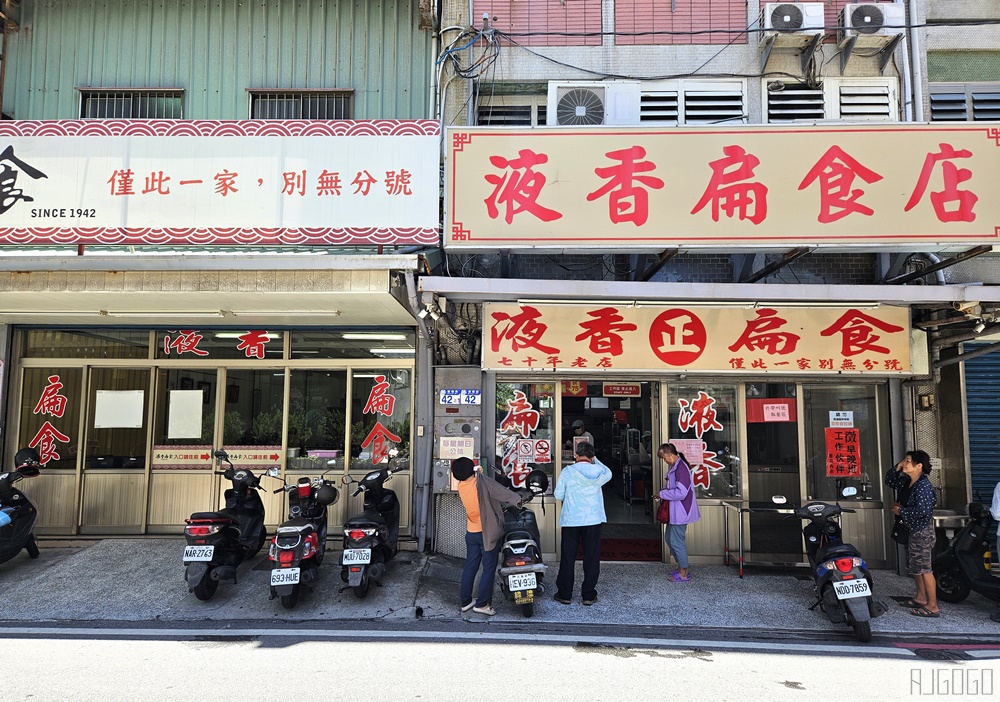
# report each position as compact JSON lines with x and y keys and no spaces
{"x":792,"y":389}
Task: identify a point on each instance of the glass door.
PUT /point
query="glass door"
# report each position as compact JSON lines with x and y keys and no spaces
{"x":773,"y":469}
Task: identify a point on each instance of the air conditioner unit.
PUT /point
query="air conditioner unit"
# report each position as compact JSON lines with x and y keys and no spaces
{"x":592,"y":103}
{"x":864,"y":24}
{"x":790,"y":24}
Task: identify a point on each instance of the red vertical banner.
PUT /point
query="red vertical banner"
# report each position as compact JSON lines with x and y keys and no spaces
{"x":843,"y":452}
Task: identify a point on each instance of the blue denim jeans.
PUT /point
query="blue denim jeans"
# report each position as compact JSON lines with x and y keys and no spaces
{"x":474,"y":555}
{"x":674,"y":537}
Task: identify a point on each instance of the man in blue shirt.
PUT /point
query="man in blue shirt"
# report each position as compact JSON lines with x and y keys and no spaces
{"x":579,"y":488}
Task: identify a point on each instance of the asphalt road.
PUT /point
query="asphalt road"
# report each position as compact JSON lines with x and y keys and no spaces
{"x":463,"y":661}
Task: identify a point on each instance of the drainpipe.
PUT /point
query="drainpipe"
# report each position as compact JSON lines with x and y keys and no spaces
{"x":424,"y":415}
{"x":915,"y":49}
{"x":907,"y":87}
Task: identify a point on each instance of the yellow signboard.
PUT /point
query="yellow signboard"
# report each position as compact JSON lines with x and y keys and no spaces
{"x":675,"y":337}
{"x":885,"y":186}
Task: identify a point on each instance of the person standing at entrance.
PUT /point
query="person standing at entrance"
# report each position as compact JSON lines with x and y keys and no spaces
{"x":483,"y":500}
{"x":683,"y":506}
{"x":579,"y":489}
{"x":915,"y":508}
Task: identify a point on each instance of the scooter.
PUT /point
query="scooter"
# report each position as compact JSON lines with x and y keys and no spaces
{"x":18,"y":514}
{"x":218,"y":542}
{"x":300,"y":542}
{"x":521,"y":568}
{"x":843,"y":584}
{"x":370,"y":538}
{"x":961,"y":568}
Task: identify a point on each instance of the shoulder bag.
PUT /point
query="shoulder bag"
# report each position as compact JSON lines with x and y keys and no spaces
{"x":663,"y":512}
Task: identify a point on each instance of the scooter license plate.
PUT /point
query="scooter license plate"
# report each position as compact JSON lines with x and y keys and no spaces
{"x":353,"y":556}
{"x":199,"y":553}
{"x":521,"y":581}
{"x":285,"y":576}
{"x":524,"y":597}
{"x":846,"y":589}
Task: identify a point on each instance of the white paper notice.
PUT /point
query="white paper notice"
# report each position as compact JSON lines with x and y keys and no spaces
{"x":118,"y":409}
{"x":184,"y":417}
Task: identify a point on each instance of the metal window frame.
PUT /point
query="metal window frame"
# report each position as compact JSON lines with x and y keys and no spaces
{"x":85,"y":93}
{"x":255,"y":94}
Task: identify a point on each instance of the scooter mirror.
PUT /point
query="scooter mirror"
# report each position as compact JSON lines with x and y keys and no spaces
{"x":332,"y":463}
{"x":778,"y":499}
{"x":272,"y":471}
{"x":346,"y":479}
{"x":221,"y":455}
{"x":849,"y":491}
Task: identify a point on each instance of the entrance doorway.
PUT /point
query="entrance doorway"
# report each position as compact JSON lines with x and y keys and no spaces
{"x":617,"y":416}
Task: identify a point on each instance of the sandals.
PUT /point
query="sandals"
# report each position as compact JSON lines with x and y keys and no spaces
{"x":924,"y":612}
{"x":676,"y":577}
{"x":912,"y":604}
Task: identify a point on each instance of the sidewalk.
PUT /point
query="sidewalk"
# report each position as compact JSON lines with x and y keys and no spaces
{"x":143,"y":580}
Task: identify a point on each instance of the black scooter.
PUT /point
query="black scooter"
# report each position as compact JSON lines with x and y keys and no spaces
{"x":843,"y":584}
{"x":370,"y":538}
{"x":521,"y":567}
{"x":18,"y":514}
{"x":218,"y":542}
{"x":300,"y":542}
{"x":961,"y":568}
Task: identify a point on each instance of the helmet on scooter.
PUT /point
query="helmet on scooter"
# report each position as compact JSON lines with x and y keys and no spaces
{"x":537,"y":482}
{"x":327,"y":494}
{"x":26,"y":461}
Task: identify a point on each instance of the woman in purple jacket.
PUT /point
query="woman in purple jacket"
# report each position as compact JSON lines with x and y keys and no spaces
{"x":680,"y":495}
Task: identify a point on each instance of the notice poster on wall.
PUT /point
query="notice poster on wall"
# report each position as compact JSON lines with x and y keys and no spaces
{"x":118,"y":409}
{"x":184,"y":414}
{"x":843,"y":452}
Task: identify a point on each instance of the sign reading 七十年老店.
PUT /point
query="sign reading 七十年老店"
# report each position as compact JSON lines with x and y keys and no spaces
{"x":786,"y":340}
{"x":894,"y":186}
{"x":251,"y":182}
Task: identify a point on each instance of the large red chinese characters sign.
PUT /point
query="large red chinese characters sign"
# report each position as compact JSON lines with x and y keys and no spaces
{"x":380,"y":403}
{"x":895,"y":186}
{"x":733,"y":339}
{"x":843,"y":452}
{"x":52,"y":403}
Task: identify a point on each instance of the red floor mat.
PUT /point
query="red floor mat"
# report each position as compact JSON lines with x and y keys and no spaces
{"x":627,"y":550}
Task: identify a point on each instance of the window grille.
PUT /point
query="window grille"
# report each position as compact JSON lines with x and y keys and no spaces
{"x":511,"y":111}
{"x":115,"y":103}
{"x":326,"y":104}
{"x":965,"y":102}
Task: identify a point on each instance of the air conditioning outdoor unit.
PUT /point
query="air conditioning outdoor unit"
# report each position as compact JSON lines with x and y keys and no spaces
{"x":864,"y":24}
{"x":790,"y":24}
{"x":592,"y":103}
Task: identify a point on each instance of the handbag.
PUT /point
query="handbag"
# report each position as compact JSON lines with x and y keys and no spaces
{"x":663,"y":512}
{"x":900,"y":532}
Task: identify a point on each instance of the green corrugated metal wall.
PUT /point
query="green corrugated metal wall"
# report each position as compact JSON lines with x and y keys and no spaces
{"x":215,"y":50}
{"x":963,"y":66}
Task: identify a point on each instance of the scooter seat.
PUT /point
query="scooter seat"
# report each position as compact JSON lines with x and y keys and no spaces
{"x":836,"y":551}
{"x":211,"y":517}
{"x":298,"y":526}
{"x":369,"y":516}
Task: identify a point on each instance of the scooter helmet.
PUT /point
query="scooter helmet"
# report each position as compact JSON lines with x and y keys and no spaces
{"x":537,"y":482}
{"x":327,"y":494}
{"x":27,"y":461}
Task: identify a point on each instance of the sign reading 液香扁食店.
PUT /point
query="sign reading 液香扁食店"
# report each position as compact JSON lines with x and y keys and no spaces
{"x":251,"y":182}
{"x":895,"y":186}
{"x":673,"y":336}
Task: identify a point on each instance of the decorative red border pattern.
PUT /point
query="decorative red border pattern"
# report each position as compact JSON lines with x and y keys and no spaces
{"x":219,"y":128}
{"x":232,"y":236}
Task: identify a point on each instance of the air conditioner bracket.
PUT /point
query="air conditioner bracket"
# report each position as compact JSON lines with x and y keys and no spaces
{"x":884,"y":54}
{"x":807,"y":51}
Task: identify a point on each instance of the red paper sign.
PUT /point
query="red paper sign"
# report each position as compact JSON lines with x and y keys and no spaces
{"x":622,"y":390}
{"x":843,"y":452}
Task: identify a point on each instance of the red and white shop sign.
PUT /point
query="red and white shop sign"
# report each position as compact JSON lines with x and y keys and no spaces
{"x":622,"y":390}
{"x":771,"y":409}
{"x":843,"y":452}
{"x":183,"y":457}
{"x":248,"y":182}
{"x":796,"y":340}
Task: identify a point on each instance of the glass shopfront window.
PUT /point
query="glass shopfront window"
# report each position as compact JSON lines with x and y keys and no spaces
{"x":704,"y":422}
{"x":525,"y":436}
{"x":90,"y":343}
{"x":862,"y":407}
{"x":187,"y":417}
{"x":254,"y":401}
{"x":220,"y":344}
{"x":353,"y":343}
{"x":116,"y":426}
{"x":380,"y":417}
{"x":51,"y":399}
{"x":317,"y":418}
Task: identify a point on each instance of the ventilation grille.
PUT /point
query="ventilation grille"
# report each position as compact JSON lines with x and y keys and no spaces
{"x":132,"y":104}
{"x":511,"y":111}
{"x":794,"y":102}
{"x":300,"y":105}
{"x":659,"y":107}
{"x":711,"y":108}
{"x":705,"y":104}
{"x":580,"y":106}
{"x":867,"y":19}
{"x":965,"y":103}
{"x":786,"y":16}
{"x":865,"y":102}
